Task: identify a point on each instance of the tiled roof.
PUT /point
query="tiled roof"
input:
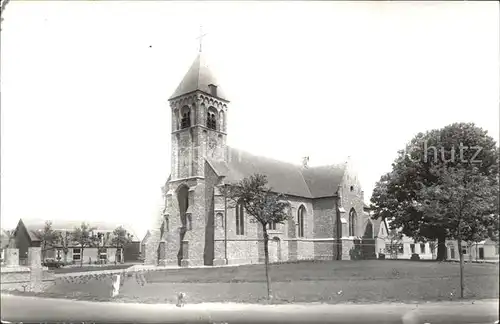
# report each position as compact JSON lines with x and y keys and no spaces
{"x":33,"y":225}
{"x":198,"y":77}
{"x":324,"y":181}
{"x":282,"y":177}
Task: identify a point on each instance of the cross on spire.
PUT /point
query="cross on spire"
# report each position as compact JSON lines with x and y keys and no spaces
{"x":200,"y":37}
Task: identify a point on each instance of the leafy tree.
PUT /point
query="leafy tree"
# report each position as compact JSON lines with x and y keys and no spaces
{"x":120,"y":239}
{"x":464,"y":199}
{"x":3,"y":5}
{"x":47,"y":237}
{"x":264,"y":205}
{"x":85,"y":238}
{"x":399,"y":194}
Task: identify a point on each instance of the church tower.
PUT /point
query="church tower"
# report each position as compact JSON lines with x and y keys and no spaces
{"x":199,"y":109}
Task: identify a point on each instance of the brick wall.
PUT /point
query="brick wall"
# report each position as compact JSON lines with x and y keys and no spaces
{"x":353,"y":200}
{"x":325,"y":227}
{"x":214,"y":250}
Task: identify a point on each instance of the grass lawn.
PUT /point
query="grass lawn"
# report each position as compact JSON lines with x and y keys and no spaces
{"x":91,"y":268}
{"x":328,"y":281}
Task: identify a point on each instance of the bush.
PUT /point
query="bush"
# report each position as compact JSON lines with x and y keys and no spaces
{"x":355,"y":253}
{"x":415,"y":257}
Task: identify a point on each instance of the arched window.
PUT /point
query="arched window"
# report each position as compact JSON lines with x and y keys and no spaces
{"x":300,"y":220}
{"x":352,"y":222}
{"x":186,"y":117}
{"x":240,"y":219}
{"x":211,"y":118}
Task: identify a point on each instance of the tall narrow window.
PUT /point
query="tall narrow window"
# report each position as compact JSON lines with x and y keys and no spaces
{"x":300,"y":221}
{"x":412,"y":248}
{"x":186,"y":117}
{"x":211,"y":121}
{"x":272,"y":226}
{"x":240,"y":219}
{"x":352,"y":222}
{"x":211,"y":118}
{"x":422,"y":248}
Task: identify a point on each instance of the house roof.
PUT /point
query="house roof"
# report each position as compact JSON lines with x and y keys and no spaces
{"x":146,"y":237}
{"x":324,"y":181}
{"x":198,"y":77}
{"x":33,"y":225}
{"x":282,"y":177}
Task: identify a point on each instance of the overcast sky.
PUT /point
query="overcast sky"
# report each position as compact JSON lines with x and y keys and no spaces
{"x":86,"y":125}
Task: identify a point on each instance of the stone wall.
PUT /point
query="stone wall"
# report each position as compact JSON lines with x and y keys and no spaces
{"x":31,"y":278}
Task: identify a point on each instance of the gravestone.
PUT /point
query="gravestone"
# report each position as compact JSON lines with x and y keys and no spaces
{"x":115,"y":285}
{"x":36,"y":268}
{"x":11,"y":257}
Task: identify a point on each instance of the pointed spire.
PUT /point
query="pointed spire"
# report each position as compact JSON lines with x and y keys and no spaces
{"x":199,"y":77}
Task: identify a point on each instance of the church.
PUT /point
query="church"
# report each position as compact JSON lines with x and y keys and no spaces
{"x":197,"y":227}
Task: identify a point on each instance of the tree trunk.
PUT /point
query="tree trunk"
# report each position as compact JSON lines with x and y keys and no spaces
{"x":81,"y":258}
{"x":266,"y":258}
{"x":461,"y":256}
{"x":441,"y":249}
{"x":469,"y":250}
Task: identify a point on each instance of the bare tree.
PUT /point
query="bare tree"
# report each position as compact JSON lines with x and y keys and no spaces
{"x":260,"y":202}
{"x":84,"y":236}
{"x":120,"y":239}
{"x":64,"y":240}
{"x":47,"y":237}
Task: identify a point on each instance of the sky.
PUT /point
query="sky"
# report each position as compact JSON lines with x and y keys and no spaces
{"x":85,"y":121}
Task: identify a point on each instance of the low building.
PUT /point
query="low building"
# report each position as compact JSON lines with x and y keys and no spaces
{"x":486,"y":250}
{"x":403,"y":247}
{"x":26,"y":235}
